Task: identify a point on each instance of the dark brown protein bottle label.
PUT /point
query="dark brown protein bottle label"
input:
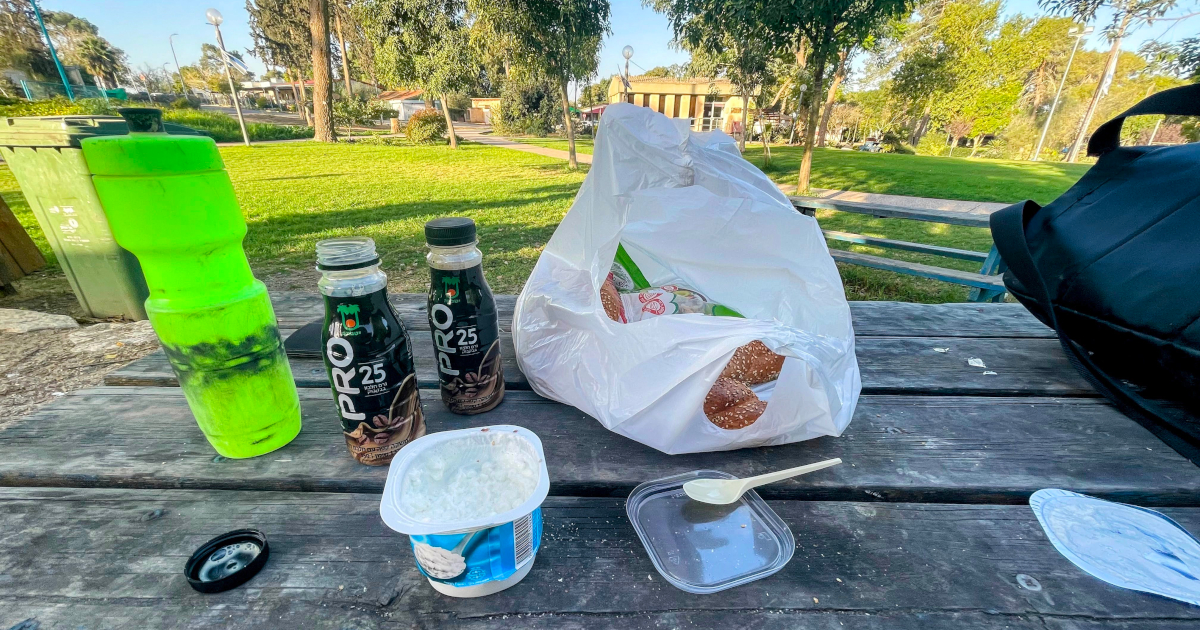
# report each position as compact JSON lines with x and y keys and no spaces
{"x":369,"y":359}
{"x":466,"y":339}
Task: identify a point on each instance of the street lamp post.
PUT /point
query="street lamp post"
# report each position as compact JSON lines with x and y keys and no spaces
{"x":182,"y":86}
{"x":626,"y":52}
{"x":215,"y":18}
{"x":1078,"y":35}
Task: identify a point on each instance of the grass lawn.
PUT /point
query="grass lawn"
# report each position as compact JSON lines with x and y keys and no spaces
{"x":295,"y":194}
{"x":582,"y":145}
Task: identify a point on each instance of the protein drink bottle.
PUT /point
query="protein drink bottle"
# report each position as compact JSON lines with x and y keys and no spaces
{"x":367,"y":353}
{"x":169,"y":201}
{"x":463,"y":318}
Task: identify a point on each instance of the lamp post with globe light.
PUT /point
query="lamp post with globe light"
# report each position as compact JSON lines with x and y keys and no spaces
{"x":215,"y":18}
{"x":626,"y":52}
{"x":1078,"y":35}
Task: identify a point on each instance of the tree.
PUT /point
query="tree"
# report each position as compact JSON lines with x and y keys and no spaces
{"x":558,"y":40}
{"x":816,"y":30}
{"x":21,"y":45}
{"x":673,"y":71}
{"x":735,"y":51}
{"x":99,"y":59}
{"x":209,"y":72}
{"x":1128,"y":15}
{"x":595,"y":94}
{"x":318,"y":25}
{"x":282,"y":38}
{"x":422,"y":43}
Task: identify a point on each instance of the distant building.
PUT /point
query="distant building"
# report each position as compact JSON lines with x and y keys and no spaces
{"x":405,"y":102}
{"x":481,"y":110}
{"x":710,"y":103}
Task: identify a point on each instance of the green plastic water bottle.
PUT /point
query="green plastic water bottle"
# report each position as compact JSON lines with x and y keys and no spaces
{"x":169,"y":201}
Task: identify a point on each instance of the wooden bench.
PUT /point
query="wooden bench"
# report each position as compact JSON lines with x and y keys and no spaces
{"x":986,"y":286}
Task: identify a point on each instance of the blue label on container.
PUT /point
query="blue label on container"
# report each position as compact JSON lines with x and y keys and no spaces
{"x":490,"y":554}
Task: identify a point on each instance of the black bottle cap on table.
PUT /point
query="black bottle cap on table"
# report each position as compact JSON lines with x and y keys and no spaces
{"x":214,"y":568}
{"x":450,"y":231}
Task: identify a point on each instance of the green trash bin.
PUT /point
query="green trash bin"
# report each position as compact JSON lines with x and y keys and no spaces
{"x":44,"y":155}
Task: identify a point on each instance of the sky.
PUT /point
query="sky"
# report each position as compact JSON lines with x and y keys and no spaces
{"x":141,"y":28}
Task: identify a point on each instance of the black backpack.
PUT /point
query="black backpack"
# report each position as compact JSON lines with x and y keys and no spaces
{"x":1113,"y":265}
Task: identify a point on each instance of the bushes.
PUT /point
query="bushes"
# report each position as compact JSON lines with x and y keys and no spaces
{"x":933,"y":143}
{"x":525,"y":108}
{"x":183,"y":103}
{"x":425,"y":127}
{"x":217,"y":126}
{"x":224,"y":128}
{"x":59,"y":106}
{"x":893,"y":144}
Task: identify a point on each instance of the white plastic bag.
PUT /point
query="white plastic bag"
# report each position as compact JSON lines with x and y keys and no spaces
{"x":689,"y":211}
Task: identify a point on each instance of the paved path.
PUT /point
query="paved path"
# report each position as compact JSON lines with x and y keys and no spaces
{"x":476,"y":133}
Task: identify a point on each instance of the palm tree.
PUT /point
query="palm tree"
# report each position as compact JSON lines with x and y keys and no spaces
{"x":98,"y":58}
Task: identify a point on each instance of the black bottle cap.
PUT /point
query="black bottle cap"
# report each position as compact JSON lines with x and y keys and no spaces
{"x":142,"y":119}
{"x":450,"y":231}
{"x":227,"y":561}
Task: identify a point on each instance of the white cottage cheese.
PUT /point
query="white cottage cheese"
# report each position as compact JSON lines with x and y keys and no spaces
{"x":471,"y":477}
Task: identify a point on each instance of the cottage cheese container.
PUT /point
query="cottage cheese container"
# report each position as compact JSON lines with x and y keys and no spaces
{"x":470,"y":501}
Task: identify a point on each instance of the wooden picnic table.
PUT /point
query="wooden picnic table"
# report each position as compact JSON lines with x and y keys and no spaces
{"x":104,"y":494}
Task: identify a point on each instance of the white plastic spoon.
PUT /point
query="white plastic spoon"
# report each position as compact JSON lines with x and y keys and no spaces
{"x":726,"y":491}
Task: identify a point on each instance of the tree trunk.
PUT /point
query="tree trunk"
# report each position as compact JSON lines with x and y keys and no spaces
{"x":766,"y":145}
{"x":302,"y":99}
{"x":567,"y":126}
{"x":831,"y":96}
{"x":787,"y":85}
{"x":318,"y":25}
{"x":975,"y":146}
{"x":745,"y":121}
{"x":953,"y":143}
{"x":337,"y":22}
{"x":802,"y":183}
{"x":1110,"y":68}
{"x":922,"y":125}
{"x":449,"y":121}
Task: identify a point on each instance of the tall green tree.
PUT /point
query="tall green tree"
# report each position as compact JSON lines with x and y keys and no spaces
{"x":208,"y":73}
{"x":282,"y":38}
{"x":422,"y":43}
{"x":1127,"y":16}
{"x":21,"y":45}
{"x":558,"y":40}
{"x":736,"y":51}
{"x":824,"y":26}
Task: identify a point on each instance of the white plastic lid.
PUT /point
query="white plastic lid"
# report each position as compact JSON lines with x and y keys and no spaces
{"x":390,"y":506}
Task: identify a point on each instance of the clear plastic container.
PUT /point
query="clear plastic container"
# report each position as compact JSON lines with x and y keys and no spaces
{"x":702,"y":548}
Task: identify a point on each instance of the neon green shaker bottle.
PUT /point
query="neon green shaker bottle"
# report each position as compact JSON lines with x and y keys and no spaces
{"x":169,"y":201}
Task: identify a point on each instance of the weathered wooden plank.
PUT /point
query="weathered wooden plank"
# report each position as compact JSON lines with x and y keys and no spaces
{"x":962,"y":319}
{"x":917,"y":269}
{"x":936,"y":250}
{"x":114,"y":559}
{"x":153,"y":370}
{"x":893,"y":212}
{"x":294,"y":309}
{"x":889,"y":365}
{"x":897,"y":448}
{"x":871,"y":319}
